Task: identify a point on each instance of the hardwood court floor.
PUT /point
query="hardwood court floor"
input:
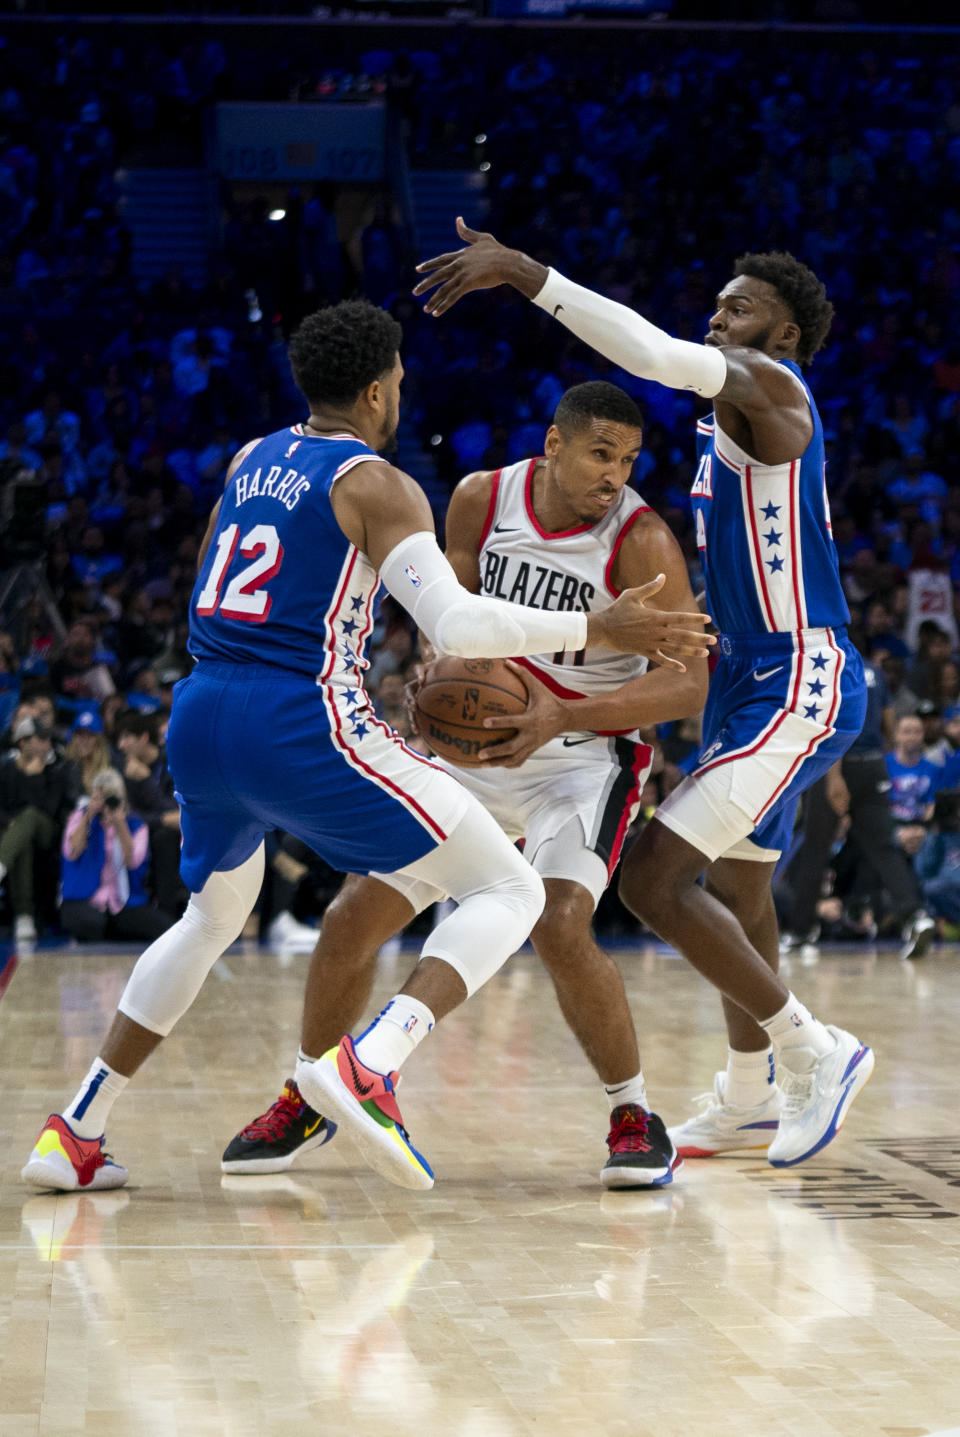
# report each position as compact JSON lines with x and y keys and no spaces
{"x":515,"y":1298}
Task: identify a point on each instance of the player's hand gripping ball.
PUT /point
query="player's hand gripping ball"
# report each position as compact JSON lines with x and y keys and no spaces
{"x":454,"y":699}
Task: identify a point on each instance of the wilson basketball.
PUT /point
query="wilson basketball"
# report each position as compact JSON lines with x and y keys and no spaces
{"x":455,"y":698}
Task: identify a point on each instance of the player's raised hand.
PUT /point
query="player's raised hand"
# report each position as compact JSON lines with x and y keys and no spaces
{"x":483,"y":264}
{"x":632,"y":626}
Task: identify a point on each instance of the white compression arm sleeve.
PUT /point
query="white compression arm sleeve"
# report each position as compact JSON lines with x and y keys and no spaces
{"x":458,"y":622}
{"x":630,"y":340}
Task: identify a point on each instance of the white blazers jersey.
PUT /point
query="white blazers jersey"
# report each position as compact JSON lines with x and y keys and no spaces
{"x":573,"y":569}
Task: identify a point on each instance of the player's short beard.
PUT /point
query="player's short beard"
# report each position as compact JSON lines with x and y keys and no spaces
{"x":389,"y":445}
{"x":761,"y":340}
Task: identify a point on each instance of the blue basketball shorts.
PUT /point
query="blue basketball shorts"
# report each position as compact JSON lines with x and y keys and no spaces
{"x":256,"y":748}
{"x":782,"y":708}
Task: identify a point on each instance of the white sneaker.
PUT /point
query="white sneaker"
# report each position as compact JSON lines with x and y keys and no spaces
{"x":24,"y":929}
{"x":286,"y":933}
{"x":815,"y":1103}
{"x":722,"y":1128}
{"x":917,"y":936}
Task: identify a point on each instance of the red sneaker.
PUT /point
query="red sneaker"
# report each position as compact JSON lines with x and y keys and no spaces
{"x":63,"y":1161}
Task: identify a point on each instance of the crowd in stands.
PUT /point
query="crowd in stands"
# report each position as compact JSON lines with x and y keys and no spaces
{"x":122,"y":403}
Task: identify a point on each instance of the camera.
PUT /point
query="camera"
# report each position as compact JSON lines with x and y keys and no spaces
{"x":111,"y":803}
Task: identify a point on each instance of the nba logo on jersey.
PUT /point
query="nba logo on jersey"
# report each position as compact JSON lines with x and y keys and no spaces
{"x":413,"y":576}
{"x":293,"y":449}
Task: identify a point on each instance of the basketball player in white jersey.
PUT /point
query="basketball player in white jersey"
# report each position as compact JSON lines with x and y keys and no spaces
{"x":788,"y":695}
{"x":563,"y":531}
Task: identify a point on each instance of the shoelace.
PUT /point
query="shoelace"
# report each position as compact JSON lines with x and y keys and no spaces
{"x":278,"y":1117}
{"x":630,"y":1132}
{"x":797,"y":1089}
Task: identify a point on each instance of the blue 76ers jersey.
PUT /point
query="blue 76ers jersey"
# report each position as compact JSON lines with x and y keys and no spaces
{"x":764,"y":536}
{"x":281,"y":583}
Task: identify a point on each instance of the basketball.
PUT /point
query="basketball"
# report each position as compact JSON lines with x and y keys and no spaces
{"x":454,"y":699}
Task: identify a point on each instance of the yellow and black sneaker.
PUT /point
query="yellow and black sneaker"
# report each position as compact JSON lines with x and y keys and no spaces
{"x":273,"y":1142}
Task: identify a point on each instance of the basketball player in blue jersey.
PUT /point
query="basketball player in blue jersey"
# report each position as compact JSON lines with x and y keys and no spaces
{"x":559,"y":530}
{"x":788,"y":695}
{"x":272,"y":729}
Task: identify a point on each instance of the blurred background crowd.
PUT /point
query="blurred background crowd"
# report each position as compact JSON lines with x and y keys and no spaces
{"x":641,"y":169}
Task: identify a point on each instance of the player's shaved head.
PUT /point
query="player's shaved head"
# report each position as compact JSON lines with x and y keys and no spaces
{"x":584,"y":403}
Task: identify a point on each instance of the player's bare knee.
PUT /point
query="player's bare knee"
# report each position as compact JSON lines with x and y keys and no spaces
{"x":651,"y":892}
{"x":346,"y":931}
{"x":563,"y":929}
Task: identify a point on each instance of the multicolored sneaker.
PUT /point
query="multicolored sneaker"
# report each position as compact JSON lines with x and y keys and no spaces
{"x":363,"y":1102}
{"x":70,"y":1164}
{"x":641,"y":1152}
{"x":722,"y":1128}
{"x":274,"y":1141}
{"x":816,"y":1100}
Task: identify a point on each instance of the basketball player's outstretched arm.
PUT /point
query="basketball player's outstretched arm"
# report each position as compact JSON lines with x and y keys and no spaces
{"x":385,"y":515}
{"x":747,"y":379}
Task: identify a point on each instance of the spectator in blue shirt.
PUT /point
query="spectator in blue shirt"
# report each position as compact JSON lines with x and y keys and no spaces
{"x":914,"y":783}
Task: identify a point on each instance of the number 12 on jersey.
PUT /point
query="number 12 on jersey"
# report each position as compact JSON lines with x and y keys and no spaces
{"x":246,"y":597}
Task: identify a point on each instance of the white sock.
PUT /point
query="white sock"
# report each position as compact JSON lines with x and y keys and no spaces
{"x":797,"y":1036}
{"x":750,"y":1078}
{"x":634,"y":1090}
{"x":303,"y":1057}
{"x":392,"y":1037}
{"x":87,"y":1114}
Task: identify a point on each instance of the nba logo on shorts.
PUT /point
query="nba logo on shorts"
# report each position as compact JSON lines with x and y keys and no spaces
{"x":413,"y":576}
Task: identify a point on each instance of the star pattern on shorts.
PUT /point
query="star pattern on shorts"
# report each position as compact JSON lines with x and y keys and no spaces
{"x":771,"y":511}
{"x":349,"y":627}
{"x":811,"y":711}
{"x":819,"y":661}
{"x":816,"y":687}
{"x":772,"y":536}
{"x":775,"y":565}
{"x":360,"y":729}
{"x":357,"y":602}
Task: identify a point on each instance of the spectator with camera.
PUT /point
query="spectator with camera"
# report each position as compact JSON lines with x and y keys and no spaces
{"x":105,"y":859}
{"x":143,"y":764}
{"x":38,"y":788}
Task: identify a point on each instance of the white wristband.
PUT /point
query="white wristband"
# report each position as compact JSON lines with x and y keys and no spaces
{"x":631,"y":341}
{"x":457,"y":622}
